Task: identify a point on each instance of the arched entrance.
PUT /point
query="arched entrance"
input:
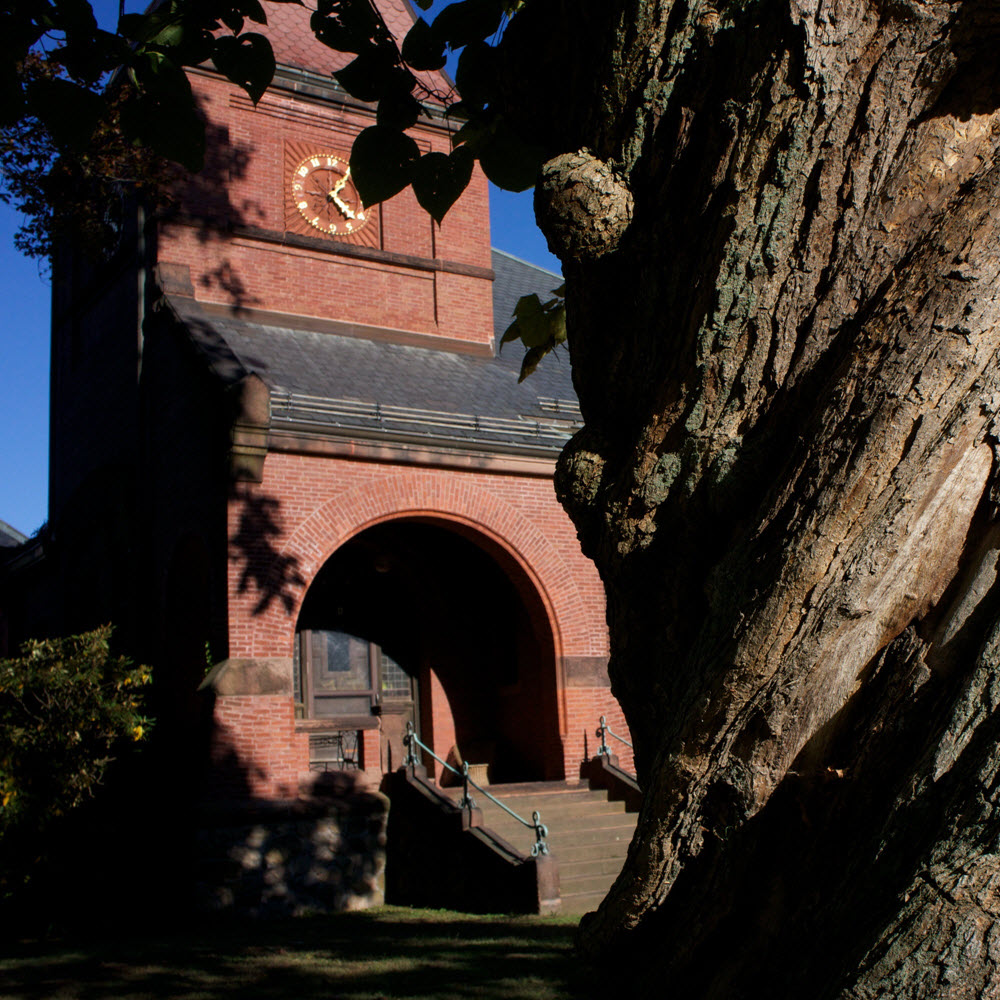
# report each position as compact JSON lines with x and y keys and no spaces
{"x":429,"y":622}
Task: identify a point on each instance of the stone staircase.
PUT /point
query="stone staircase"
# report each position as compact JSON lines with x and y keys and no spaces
{"x":588,"y":835}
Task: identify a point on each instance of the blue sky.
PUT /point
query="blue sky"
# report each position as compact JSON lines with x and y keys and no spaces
{"x":24,"y":345}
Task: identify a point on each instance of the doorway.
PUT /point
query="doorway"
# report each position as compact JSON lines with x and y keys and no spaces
{"x":415,"y":621}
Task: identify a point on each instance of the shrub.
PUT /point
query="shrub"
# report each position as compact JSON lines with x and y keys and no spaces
{"x":67,"y":708}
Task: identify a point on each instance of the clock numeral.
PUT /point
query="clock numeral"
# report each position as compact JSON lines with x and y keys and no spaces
{"x":315,"y":161}
{"x":303,"y":206}
{"x":303,"y":171}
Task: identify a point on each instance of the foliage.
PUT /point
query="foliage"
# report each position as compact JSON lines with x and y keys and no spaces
{"x":540,"y":326}
{"x":87,"y":115}
{"x":67,"y":706}
{"x":81,"y":193}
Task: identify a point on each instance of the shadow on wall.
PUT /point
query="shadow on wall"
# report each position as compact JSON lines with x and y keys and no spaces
{"x":136,"y":855}
{"x":204,"y":201}
{"x":273,"y":575}
{"x":320,"y":854}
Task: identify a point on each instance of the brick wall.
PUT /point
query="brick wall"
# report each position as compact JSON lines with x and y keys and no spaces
{"x":245,"y":185}
{"x":313,"y":505}
{"x":255,"y":751}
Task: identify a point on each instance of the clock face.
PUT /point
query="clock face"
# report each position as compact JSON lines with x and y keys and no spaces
{"x":325,"y":195}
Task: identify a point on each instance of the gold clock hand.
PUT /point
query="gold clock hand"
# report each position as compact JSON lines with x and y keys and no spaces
{"x":335,"y":195}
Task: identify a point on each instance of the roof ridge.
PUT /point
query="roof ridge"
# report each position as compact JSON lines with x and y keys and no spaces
{"x":526,"y":263}
{"x":12,"y":532}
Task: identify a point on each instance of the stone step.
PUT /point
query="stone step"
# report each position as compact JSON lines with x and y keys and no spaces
{"x":581,"y":902}
{"x":608,"y":865}
{"x":570,"y":827}
{"x":607,"y":851}
{"x":553,"y":815}
{"x":573,"y":885}
{"x":542,"y":800}
{"x":588,"y":835}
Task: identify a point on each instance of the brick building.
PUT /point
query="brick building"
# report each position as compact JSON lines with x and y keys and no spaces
{"x":290,"y":465}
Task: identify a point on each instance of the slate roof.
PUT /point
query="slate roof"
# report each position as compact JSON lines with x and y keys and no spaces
{"x":295,"y":45}
{"x":350,"y":386}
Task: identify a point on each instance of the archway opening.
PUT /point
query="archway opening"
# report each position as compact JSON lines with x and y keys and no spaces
{"x":429,"y":622}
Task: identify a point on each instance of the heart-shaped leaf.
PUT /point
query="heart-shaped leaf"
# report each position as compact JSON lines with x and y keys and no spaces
{"x":247,"y":60}
{"x":468,"y":21}
{"x":422,"y":48}
{"x":382,"y":162}
{"x":439,"y":179}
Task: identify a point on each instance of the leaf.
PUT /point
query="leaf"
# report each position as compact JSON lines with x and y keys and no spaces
{"x":532,"y":320}
{"x":422,"y":48}
{"x":530,"y":361}
{"x":508,"y":161}
{"x":475,"y":132}
{"x":166,"y":121}
{"x":76,"y":17}
{"x":382,"y":162}
{"x":344,"y":26}
{"x":439,"y":179}
{"x":398,"y":111}
{"x":541,"y":327}
{"x":513,"y":332}
{"x":375,"y":74}
{"x":253,"y":11}
{"x":69,"y":112}
{"x":476,"y":74}
{"x":233,"y":20}
{"x":247,"y":60}
{"x":148,"y":26}
{"x":468,"y":21}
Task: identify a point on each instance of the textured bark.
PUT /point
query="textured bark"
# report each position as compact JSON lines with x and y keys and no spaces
{"x":787,"y":367}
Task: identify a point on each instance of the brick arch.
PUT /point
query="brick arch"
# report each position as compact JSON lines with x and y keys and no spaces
{"x":424,"y":495}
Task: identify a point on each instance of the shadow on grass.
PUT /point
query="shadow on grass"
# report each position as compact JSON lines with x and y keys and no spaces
{"x":388,"y":953}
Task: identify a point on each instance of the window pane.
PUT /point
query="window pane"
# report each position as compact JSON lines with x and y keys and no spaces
{"x":395,"y":680}
{"x":340,"y":662}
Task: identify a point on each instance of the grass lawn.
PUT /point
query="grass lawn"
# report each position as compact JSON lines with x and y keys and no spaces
{"x":391,"y":953}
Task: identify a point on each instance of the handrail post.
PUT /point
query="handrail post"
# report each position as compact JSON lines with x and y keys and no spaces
{"x":604,"y":731}
{"x":408,"y":740}
{"x":603,"y":750}
{"x":467,"y":801}
{"x":541,"y":832}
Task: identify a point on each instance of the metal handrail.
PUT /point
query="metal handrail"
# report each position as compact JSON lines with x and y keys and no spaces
{"x":468,"y":802}
{"x":605,"y":730}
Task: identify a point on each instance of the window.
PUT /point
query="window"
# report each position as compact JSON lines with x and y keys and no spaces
{"x":335,"y":675}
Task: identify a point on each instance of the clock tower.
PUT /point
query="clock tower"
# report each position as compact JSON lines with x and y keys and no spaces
{"x":274,"y":223}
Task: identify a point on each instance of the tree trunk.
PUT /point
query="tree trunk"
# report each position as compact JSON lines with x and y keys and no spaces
{"x":784,"y":341}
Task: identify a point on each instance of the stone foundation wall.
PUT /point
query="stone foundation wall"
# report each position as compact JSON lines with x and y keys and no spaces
{"x":290,"y":859}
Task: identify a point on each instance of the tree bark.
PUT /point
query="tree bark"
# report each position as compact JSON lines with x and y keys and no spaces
{"x":785,"y":352}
